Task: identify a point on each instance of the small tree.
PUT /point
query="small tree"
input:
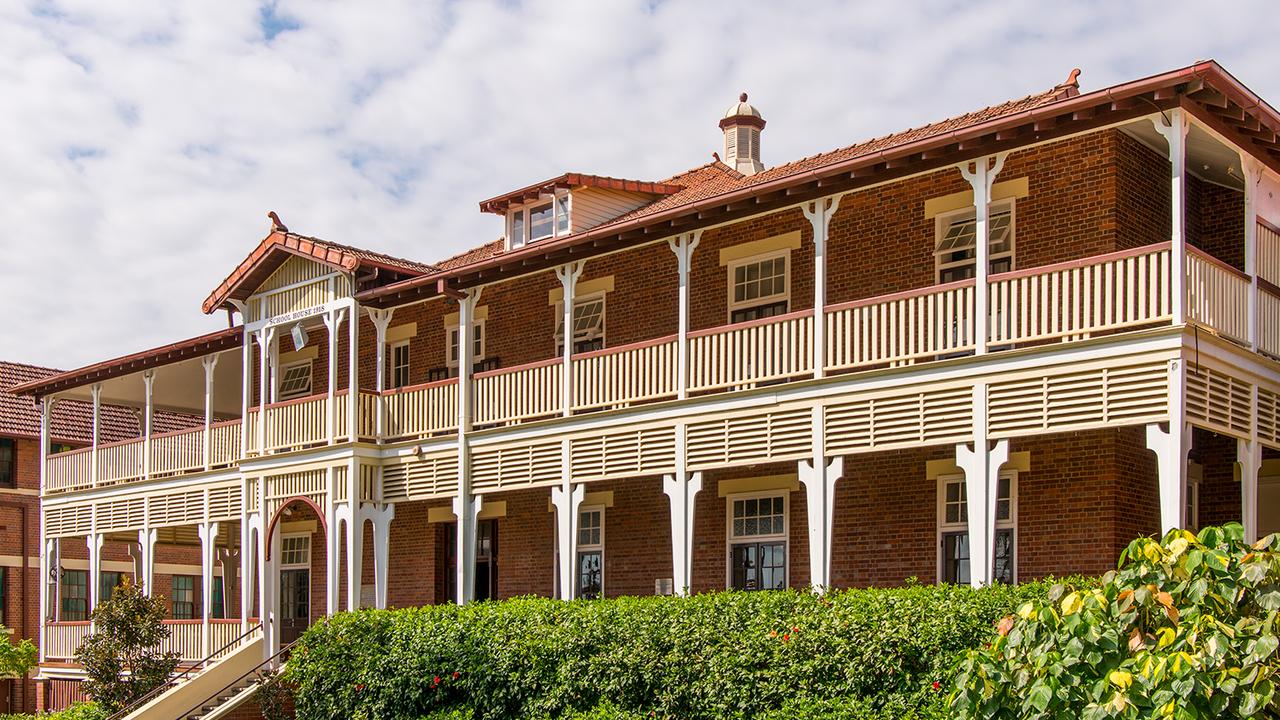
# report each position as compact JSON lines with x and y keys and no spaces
{"x":122,"y":658}
{"x":16,"y":660}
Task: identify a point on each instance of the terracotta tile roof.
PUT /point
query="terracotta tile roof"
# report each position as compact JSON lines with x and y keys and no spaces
{"x":72,"y":420}
{"x":59,"y":380}
{"x":499,"y":204}
{"x":717,"y":178}
{"x":276,"y":247}
{"x":476,"y":254}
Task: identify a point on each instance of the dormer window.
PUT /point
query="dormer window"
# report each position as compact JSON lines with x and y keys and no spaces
{"x":539,"y":221}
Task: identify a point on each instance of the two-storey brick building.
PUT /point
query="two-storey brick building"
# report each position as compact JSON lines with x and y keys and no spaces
{"x":70,"y":426}
{"x":988,"y":349}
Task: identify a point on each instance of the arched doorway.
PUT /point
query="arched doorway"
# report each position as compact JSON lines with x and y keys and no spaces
{"x":296,"y":562}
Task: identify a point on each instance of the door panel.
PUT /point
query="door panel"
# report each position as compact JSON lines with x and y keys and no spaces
{"x":295,"y":603}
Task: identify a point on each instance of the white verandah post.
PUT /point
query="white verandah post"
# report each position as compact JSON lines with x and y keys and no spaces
{"x":568,"y":275}
{"x":210,"y":363}
{"x":819,"y":213}
{"x":683,"y":247}
{"x":981,"y":178}
{"x":466,"y":506}
{"x":1175,"y":134}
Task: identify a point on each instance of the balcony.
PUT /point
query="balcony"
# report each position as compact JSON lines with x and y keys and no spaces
{"x":186,"y":638}
{"x":1076,"y":300}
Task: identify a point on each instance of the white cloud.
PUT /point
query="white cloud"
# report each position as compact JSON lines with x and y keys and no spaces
{"x":141,"y":144}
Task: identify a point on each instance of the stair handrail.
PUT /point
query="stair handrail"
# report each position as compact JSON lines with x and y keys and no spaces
{"x":251,"y":671}
{"x":174,"y":679}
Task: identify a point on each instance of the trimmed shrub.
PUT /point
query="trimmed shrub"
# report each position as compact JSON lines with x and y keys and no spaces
{"x":856,"y":654}
{"x":78,"y":711}
{"x":1186,"y":628}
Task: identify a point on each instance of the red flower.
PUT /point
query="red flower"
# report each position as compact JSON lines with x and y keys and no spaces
{"x":359,"y":687}
{"x":937,"y":685}
{"x":786,"y":637}
{"x":795,"y":629}
{"x":456,"y":674}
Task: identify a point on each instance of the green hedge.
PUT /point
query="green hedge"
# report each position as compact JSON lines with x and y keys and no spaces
{"x":78,"y":711}
{"x":854,"y":654}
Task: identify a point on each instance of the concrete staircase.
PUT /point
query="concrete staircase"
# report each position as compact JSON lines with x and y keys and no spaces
{"x":213,"y":692}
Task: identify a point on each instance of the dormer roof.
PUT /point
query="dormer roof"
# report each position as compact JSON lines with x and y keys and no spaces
{"x":501,"y":203}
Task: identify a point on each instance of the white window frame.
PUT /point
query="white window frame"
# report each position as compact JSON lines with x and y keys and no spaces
{"x":784,"y":537}
{"x":284,"y":373}
{"x":1191,"y":511}
{"x":392,"y":347}
{"x":945,"y":528}
{"x":557,"y":334}
{"x":785,"y":296}
{"x":451,"y":350}
{"x":944,"y":221}
{"x":580,"y":547}
{"x":295,"y":565}
{"x":561,"y":207}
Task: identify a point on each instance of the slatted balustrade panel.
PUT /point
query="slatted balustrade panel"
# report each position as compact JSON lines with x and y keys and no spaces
{"x":121,"y":514}
{"x":1078,"y":298}
{"x":223,"y":633}
{"x":62,"y":639}
{"x":297,"y":423}
{"x":928,"y":417}
{"x":1126,"y":395}
{"x":68,"y":471}
{"x":753,"y":352}
{"x":424,"y":477}
{"x":901,"y":328}
{"x":224,"y":503}
{"x":340,"y":415}
{"x":341,"y":491}
{"x":1219,"y":402}
{"x":747,"y":439}
{"x":532,"y":464}
{"x":422,"y":410}
{"x":1268,"y":254}
{"x":224,"y":443}
{"x":645,"y":451}
{"x":368,"y":483}
{"x":1269,"y":321}
{"x":178,"y":508}
{"x":307,"y":483}
{"x":68,"y":521}
{"x":369,"y":401}
{"x":251,"y":446}
{"x":622,"y":376}
{"x":185,"y":638}
{"x":1217,"y":296}
{"x":177,"y":452}
{"x":520,"y":393}
{"x":1269,"y":417}
{"x":120,"y":462}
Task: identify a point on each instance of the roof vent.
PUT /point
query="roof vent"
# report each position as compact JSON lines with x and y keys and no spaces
{"x":742,"y":125}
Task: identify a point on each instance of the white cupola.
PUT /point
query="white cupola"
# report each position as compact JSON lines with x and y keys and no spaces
{"x":742,"y":125}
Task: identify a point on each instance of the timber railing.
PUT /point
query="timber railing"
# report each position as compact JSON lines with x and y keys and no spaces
{"x":1116,"y":292}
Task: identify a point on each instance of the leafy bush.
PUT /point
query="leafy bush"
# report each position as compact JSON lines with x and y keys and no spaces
{"x":78,"y":711}
{"x":857,"y":654}
{"x":121,"y":659}
{"x":1186,"y":628}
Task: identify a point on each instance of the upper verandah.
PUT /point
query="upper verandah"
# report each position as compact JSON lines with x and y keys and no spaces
{"x":716,"y":194}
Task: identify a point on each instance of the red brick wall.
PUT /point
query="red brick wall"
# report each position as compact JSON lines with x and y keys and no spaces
{"x":1215,"y":221}
{"x":1142,"y":194}
{"x":1219,"y":490}
{"x":20,"y":511}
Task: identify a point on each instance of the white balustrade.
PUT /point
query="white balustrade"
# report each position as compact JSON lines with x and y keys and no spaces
{"x":61,"y":639}
{"x":747,"y":353}
{"x":421,"y":410}
{"x":224,"y":443}
{"x":901,"y":328}
{"x":120,"y":462}
{"x":1269,"y":320}
{"x":618,"y":377}
{"x":297,"y":423}
{"x":1080,"y":298}
{"x":177,"y":452}
{"x":68,"y":471}
{"x":185,"y":639}
{"x":1217,"y":296}
{"x":519,"y":393}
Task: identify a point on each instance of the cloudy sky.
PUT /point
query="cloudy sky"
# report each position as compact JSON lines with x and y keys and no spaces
{"x":141,"y":144}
